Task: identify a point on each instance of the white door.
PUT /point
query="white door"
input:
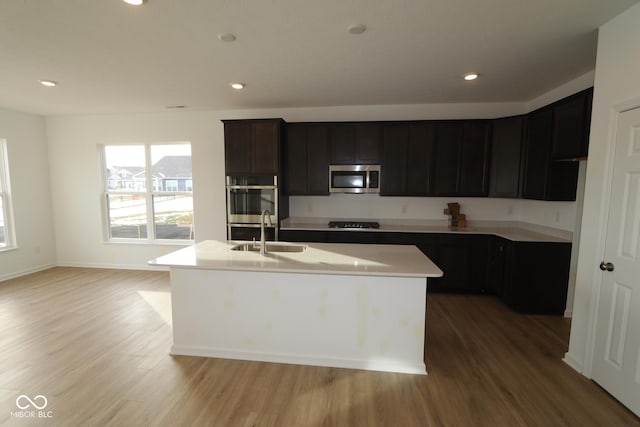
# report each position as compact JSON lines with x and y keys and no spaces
{"x":616,"y":363}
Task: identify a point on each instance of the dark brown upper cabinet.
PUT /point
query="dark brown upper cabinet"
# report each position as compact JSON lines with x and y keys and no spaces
{"x":537,"y":158}
{"x":506,"y":156}
{"x":407,"y":158}
{"x":571,"y":121}
{"x":447,"y":158}
{"x":307,"y":159}
{"x":355,"y":143}
{"x":420,"y":158}
{"x":545,"y":179}
{"x":462,"y":158}
{"x":474,"y":161}
{"x":252,"y":146}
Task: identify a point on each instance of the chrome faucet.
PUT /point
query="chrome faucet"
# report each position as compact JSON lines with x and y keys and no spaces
{"x":263,"y":238}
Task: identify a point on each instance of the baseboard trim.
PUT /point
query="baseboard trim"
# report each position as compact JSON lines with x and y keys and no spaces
{"x":574,"y":363}
{"x":26,"y":272}
{"x":112,"y":266}
{"x":370,"y":365}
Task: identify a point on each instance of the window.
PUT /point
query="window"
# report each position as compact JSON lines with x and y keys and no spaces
{"x":7,"y":237}
{"x":148,"y":192}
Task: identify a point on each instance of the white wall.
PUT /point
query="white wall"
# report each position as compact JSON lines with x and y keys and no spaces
{"x":29,"y":176}
{"x":73,"y":146}
{"x":616,"y":87}
{"x":551,"y":214}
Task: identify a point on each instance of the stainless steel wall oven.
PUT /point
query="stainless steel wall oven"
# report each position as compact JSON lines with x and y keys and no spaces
{"x":247,"y":197}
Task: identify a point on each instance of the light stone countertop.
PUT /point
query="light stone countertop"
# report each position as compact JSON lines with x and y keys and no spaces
{"x":318,"y":258}
{"x":511,"y":230}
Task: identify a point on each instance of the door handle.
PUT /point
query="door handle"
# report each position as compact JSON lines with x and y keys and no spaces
{"x":606,"y":266}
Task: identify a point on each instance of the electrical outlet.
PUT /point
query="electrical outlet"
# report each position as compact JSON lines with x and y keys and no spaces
{"x":557,"y":216}
{"x":309,"y":207}
{"x":403,"y":209}
{"x":510,"y":211}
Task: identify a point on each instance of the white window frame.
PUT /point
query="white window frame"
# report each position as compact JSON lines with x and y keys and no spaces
{"x":148,"y":194}
{"x":5,"y":194}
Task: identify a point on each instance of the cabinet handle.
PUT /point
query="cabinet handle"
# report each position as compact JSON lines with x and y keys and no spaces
{"x":606,"y":266}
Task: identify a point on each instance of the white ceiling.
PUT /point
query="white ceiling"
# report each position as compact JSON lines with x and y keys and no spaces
{"x":110,"y":57}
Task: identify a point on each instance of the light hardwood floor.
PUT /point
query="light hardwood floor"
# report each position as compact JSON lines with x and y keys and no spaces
{"x":95,"y":343}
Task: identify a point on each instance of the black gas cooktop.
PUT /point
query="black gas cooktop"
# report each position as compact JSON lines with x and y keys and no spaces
{"x":353,"y":224}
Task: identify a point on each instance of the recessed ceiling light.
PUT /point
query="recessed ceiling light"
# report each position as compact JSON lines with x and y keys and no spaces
{"x":237,"y":86}
{"x":176,"y":107}
{"x":134,"y":2}
{"x":470,"y":76}
{"x":226,"y":37}
{"x":48,"y":83}
{"x":356,"y":28}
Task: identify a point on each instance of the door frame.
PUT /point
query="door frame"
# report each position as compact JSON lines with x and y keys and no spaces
{"x":605,"y":200}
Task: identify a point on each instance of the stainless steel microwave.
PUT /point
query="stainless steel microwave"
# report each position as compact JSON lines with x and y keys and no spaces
{"x":354,"y":178}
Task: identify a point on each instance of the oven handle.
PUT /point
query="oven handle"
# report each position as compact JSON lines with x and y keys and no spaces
{"x":252,"y":187}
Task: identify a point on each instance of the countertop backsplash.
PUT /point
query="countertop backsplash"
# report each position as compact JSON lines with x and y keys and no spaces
{"x":555,"y":215}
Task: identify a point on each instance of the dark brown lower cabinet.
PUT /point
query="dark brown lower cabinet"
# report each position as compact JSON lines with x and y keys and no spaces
{"x":251,"y":233}
{"x":530,"y":277}
{"x":498,"y":261}
{"x":464,"y":259}
{"x":301,"y":236}
{"x":537,"y":277}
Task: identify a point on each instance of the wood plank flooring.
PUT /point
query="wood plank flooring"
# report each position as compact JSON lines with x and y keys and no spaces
{"x":95,"y":343}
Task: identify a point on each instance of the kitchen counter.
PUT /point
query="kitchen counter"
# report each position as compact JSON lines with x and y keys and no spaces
{"x":338,"y":305}
{"x":511,"y":230}
{"x":318,"y":258}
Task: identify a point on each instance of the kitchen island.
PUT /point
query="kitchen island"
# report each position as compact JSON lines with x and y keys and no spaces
{"x":339,"y":305}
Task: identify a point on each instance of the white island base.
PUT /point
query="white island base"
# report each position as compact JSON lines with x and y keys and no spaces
{"x":338,"y":305}
{"x":361,"y":322}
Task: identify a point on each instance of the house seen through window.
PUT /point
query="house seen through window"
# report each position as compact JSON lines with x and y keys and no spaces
{"x":148,"y":191}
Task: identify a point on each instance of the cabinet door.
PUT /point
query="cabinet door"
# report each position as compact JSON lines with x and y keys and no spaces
{"x":367,"y":144}
{"x":266,"y":147}
{"x":563,"y":181}
{"x":453,"y":256}
{"x":538,"y":277}
{"x":395,"y":140}
{"x":251,"y":233}
{"x":407,"y":158}
{"x":464,"y":259}
{"x":447,"y":158}
{"x":420,"y":158}
{"x":571,"y":119}
{"x":343,"y":144}
{"x":506,"y":150}
{"x":318,"y":160}
{"x":537,"y":158}
{"x":237,"y":148}
{"x":296,"y":161}
{"x":500,"y":249}
{"x":474,"y":160}
{"x":344,"y":236}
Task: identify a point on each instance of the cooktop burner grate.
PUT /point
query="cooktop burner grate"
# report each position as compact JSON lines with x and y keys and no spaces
{"x":353,"y":224}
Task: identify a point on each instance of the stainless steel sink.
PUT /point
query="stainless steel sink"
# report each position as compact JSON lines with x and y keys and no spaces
{"x":271,"y":247}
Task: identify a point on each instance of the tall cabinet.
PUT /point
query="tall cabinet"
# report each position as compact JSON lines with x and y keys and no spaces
{"x":252,"y":159}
